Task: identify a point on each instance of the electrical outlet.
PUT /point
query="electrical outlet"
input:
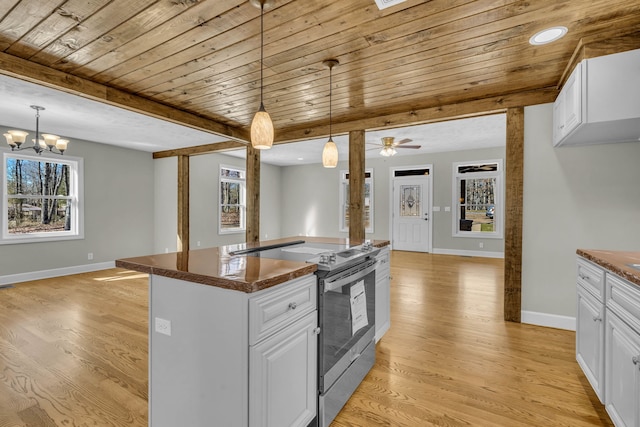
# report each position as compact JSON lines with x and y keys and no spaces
{"x":447,"y":208}
{"x":198,"y":243}
{"x":90,"y":256}
{"x":481,"y":245}
{"x":166,"y":250}
{"x":163,"y":326}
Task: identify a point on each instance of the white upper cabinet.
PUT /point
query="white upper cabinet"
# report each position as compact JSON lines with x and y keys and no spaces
{"x":600,"y":102}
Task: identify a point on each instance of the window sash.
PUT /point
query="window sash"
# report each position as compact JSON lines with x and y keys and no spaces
{"x":490,"y":227}
{"x":73,"y":199}
{"x":232,"y":176}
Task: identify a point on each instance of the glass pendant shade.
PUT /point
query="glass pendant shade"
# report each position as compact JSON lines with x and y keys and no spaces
{"x":330,"y":154}
{"x":262,"y":130}
{"x":61,"y":144}
{"x":50,"y":140}
{"x":15,"y":137}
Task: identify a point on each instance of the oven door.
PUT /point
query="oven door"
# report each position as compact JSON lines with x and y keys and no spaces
{"x":347,"y":319}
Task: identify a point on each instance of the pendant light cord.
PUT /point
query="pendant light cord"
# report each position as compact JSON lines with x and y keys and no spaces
{"x":330,"y":97}
{"x":261,"y":48}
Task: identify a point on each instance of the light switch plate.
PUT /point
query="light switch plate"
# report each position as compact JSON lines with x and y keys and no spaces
{"x":447,"y":209}
{"x":436,"y":208}
{"x":163,"y":326}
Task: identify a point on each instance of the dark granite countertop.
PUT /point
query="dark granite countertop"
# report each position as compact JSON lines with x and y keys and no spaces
{"x":216,"y":267}
{"x":618,"y":262}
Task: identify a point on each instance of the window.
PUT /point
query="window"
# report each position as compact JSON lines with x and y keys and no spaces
{"x":41,"y":198}
{"x":368,"y":201}
{"x":232,"y":200}
{"x":477,"y":196}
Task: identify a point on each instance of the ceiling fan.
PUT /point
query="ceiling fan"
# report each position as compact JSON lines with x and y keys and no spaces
{"x":389,"y":145}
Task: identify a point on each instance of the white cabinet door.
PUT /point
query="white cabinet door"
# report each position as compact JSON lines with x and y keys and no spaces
{"x":573,"y":100}
{"x":383,"y":294}
{"x":590,"y":340}
{"x":282,"y":376}
{"x":558,"y":119}
{"x":622,"y":376}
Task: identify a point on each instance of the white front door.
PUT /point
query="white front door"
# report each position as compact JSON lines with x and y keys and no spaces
{"x":411,"y":226}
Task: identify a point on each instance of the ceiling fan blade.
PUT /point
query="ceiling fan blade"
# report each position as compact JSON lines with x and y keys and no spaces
{"x":403,"y":141}
{"x":409,"y":146}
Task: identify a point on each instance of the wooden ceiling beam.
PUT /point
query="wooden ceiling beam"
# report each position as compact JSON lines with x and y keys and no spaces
{"x":200,"y":149}
{"x":39,"y":74}
{"x":439,"y":113}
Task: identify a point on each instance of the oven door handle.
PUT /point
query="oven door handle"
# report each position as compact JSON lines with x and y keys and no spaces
{"x":330,"y":285}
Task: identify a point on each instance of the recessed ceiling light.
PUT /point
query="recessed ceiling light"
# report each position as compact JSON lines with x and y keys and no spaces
{"x":300,"y":158}
{"x":547,"y":36}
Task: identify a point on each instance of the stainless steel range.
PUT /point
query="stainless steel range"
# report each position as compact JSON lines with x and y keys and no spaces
{"x":346,"y":316}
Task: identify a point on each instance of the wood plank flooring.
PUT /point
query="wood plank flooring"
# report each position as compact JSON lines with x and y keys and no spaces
{"x":73,"y":352}
{"x":449,"y":359}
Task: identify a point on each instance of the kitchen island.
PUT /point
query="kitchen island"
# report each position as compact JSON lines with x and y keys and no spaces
{"x":608,"y":330}
{"x":233,"y":338}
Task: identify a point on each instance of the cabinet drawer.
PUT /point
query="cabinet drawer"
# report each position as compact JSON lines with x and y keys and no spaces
{"x":276,"y":308}
{"x":591,"y":278}
{"x":623,"y":298}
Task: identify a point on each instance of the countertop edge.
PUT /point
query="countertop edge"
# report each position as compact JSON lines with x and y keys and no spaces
{"x":614,"y":261}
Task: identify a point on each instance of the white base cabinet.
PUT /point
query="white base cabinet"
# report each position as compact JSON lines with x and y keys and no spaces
{"x":622,"y":373}
{"x":590,"y":340}
{"x":383,"y":293}
{"x":608,"y":340}
{"x":282,"y":376}
{"x":234,"y":359}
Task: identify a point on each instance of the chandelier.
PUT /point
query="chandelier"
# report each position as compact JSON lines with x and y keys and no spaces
{"x":53,"y":143}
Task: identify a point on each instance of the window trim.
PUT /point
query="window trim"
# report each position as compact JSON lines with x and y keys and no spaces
{"x":342,"y":194}
{"x":243,"y":199}
{"x":498,"y":232}
{"x":76,"y":182}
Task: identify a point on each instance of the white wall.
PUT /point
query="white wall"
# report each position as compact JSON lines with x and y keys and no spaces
{"x":204,"y":197}
{"x":311,"y":205}
{"x":574,"y":197}
{"x":118,"y":215}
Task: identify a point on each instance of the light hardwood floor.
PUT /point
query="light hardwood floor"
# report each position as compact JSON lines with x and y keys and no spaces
{"x":73,"y":352}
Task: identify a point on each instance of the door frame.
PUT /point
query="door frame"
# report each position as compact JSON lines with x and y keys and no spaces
{"x":392,"y":173}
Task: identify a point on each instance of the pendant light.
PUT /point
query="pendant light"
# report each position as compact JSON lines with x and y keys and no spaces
{"x":262,"y":133}
{"x":330,"y":151}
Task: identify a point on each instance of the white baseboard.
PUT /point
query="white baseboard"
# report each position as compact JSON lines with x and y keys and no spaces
{"x":57,"y":272}
{"x":462,"y":252}
{"x":548,"y":320}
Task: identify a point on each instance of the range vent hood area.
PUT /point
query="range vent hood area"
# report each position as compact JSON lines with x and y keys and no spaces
{"x":600,"y":102}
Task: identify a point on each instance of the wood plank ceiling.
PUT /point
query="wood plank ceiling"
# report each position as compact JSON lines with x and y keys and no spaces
{"x":198,"y":61}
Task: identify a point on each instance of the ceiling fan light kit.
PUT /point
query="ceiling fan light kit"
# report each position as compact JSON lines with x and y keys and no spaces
{"x":262,"y":131}
{"x":52,"y":143}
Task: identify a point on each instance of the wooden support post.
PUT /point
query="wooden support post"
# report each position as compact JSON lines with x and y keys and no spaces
{"x":253,"y":195}
{"x":356,"y":186}
{"x":514,"y":178}
{"x":183,"y":204}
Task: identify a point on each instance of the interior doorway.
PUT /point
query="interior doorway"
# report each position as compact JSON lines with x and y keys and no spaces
{"x":411,"y":226}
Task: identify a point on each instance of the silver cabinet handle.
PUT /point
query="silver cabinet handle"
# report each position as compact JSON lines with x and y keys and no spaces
{"x":583,"y":277}
{"x":293,"y":305}
{"x":317,"y":331}
{"x":635,"y":360}
{"x":597,"y":318}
